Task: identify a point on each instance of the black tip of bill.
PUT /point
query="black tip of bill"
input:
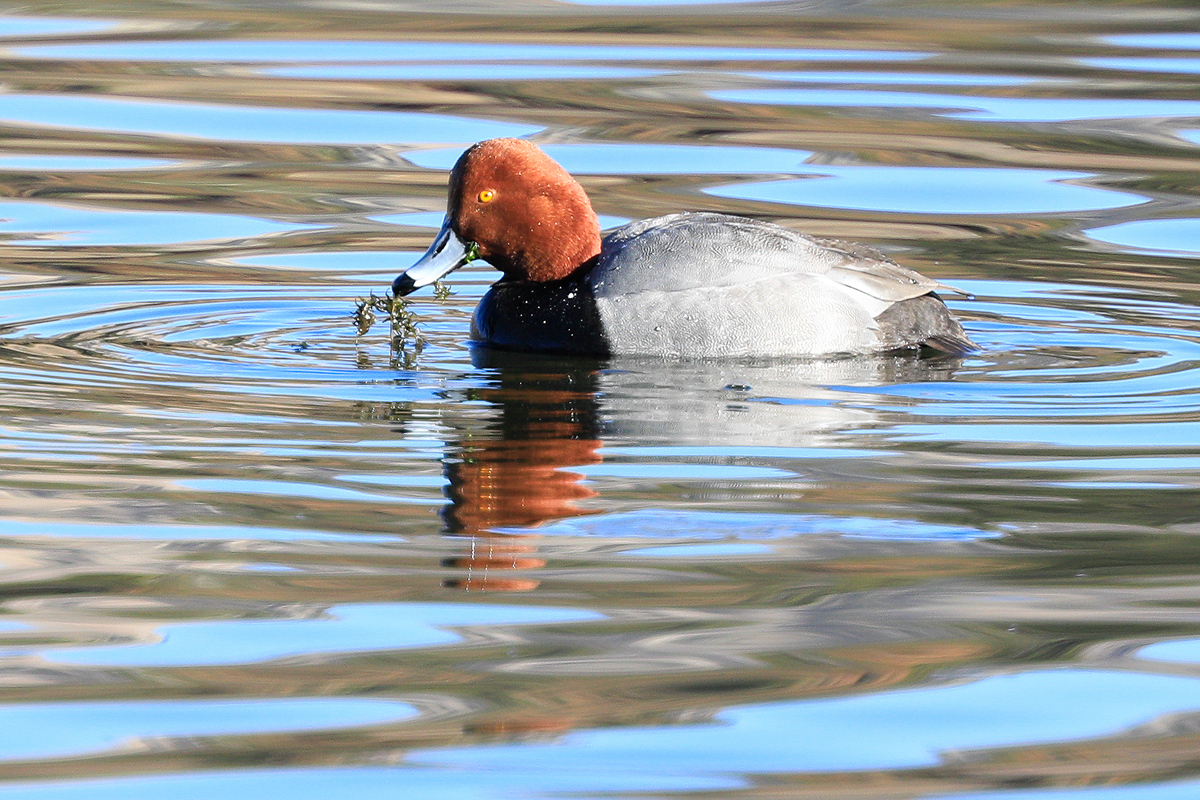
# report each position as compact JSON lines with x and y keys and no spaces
{"x":404,"y":285}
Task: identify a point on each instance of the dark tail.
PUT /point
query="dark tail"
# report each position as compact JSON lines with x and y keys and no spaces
{"x":952,"y":345}
{"x":924,"y":320}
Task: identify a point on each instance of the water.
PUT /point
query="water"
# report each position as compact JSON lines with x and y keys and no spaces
{"x":248,"y":552}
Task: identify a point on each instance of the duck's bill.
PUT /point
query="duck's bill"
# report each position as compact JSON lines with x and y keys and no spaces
{"x":446,"y":254}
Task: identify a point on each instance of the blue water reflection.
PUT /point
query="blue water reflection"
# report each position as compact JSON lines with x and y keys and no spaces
{"x":332,"y":263}
{"x":1096,"y":435}
{"x":32,"y":223}
{"x":11,"y":26}
{"x":700,"y":550}
{"x":898,"y":729}
{"x":934,"y":190}
{"x":652,"y":524}
{"x":999,"y":109}
{"x":1169,"y":236}
{"x":47,"y":163}
{"x":741,"y":451}
{"x":343,"y":629}
{"x":249,"y":123}
{"x":1131,"y":463}
{"x":684,"y":472}
{"x":1182,"y":650}
{"x":373,"y":782}
{"x":50,"y":730}
{"x":1140,"y":64}
{"x":361,"y":783}
{"x":168,"y":533}
{"x":318,"y":491}
{"x":377,"y":782}
{"x":1158,"y":41}
{"x":359,"y":267}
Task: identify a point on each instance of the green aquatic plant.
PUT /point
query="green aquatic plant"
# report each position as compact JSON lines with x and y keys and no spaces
{"x":405,"y":333}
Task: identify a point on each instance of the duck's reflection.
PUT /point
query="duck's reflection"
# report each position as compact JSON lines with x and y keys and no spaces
{"x":514,"y":471}
{"x":509,"y":469}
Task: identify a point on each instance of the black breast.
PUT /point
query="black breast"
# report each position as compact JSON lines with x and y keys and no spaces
{"x":550,"y":317}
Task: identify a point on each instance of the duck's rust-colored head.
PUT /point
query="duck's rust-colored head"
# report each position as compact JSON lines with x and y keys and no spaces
{"x":513,"y":206}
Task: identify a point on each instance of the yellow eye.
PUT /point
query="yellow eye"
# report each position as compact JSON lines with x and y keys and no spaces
{"x":486,"y":196}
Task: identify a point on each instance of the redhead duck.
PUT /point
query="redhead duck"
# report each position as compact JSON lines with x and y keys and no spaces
{"x":688,"y":285}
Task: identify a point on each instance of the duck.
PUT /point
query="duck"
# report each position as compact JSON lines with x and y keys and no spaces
{"x":687,"y":285}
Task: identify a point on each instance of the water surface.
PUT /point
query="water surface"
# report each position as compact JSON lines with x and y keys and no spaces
{"x":249,"y":551}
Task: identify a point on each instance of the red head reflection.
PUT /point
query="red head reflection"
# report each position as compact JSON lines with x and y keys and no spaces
{"x":515,"y":473}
